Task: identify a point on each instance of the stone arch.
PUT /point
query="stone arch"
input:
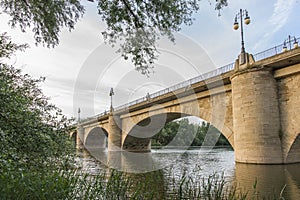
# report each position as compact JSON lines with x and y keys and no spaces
{"x":96,"y":139}
{"x":293,"y":155}
{"x":73,"y":133}
{"x":138,"y":137}
{"x":73,"y":137}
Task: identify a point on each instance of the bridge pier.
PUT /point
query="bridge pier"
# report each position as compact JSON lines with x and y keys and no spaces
{"x":114,"y":142}
{"x":256,"y":120}
{"x":79,"y":138}
{"x":115,"y":133}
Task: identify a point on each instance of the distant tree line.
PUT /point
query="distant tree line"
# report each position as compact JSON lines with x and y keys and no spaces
{"x":183,"y":132}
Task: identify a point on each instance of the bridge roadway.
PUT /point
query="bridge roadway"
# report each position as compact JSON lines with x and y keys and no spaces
{"x":255,"y":105}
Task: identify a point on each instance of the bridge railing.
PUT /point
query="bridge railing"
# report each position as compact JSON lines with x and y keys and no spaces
{"x":259,"y":56}
{"x":181,"y":85}
{"x":275,"y":50}
{"x":94,"y":117}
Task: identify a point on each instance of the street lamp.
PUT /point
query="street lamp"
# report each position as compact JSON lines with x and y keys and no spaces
{"x":241,"y":14}
{"x":111,"y":93}
{"x":289,"y":41}
{"x":78,"y":115}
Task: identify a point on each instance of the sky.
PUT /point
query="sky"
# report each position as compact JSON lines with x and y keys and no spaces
{"x":81,"y":70}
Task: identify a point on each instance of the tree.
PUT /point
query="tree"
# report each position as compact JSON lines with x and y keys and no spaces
{"x":166,"y":134}
{"x":201,"y":131}
{"x":45,"y":18}
{"x":34,"y":142}
{"x":185,"y":132}
{"x":7,"y":47}
{"x":140,"y":23}
{"x":33,"y":131}
{"x":134,"y":25}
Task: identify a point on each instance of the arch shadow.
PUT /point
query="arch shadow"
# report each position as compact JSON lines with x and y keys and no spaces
{"x":293,"y":155}
{"x":96,"y":139}
{"x":73,"y":137}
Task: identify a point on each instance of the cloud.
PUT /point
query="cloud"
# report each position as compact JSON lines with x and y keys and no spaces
{"x":281,"y":13}
{"x":282,"y":10}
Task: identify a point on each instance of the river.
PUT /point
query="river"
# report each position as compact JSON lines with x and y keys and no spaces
{"x":269,"y":180}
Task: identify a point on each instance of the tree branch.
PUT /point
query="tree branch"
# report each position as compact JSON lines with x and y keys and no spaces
{"x":25,"y":1}
{"x":136,"y":19}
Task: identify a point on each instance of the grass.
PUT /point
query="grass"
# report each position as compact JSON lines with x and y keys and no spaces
{"x":113,"y":184}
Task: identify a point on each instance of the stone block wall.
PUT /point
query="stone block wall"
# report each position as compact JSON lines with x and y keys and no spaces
{"x":289,"y":103}
{"x":256,"y":122}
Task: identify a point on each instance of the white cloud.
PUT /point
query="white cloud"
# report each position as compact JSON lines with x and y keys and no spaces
{"x":282,"y":10}
{"x":281,"y":13}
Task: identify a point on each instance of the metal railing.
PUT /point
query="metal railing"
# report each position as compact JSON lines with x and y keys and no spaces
{"x":274,"y":51}
{"x":222,"y":70}
{"x":180,"y":85}
{"x":94,"y":117}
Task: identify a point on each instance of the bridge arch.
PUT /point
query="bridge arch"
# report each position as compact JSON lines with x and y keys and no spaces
{"x":294,"y":151}
{"x":138,"y":136}
{"x":96,"y":139}
{"x":73,"y":137}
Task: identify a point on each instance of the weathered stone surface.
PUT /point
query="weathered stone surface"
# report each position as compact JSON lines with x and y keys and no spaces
{"x":289,"y":101}
{"x":256,"y":122}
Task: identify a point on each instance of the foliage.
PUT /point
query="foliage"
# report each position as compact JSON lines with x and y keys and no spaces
{"x":45,"y":18}
{"x":166,"y":134}
{"x":36,"y":185}
{"x":31,"y":127}
{"x":33,"y":131}
{"x":34,"y":145}
{"x":134,"y":25}
{"x":185,"y":132}
{"x":138,"y":24}
{"x":7,"y":48}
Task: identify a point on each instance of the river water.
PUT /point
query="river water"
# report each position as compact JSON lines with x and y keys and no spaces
{"x":269,"y":180}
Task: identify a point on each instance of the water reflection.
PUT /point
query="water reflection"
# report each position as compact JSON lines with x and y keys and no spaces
{"x":293,"y":174}
{"x":269,"y":179}
{"x":151,"y":183}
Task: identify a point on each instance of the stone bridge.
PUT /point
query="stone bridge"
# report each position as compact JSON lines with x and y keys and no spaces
{"x":255,"y":105}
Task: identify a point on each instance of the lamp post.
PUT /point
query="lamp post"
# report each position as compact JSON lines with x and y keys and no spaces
{"x":78,"y":115}
{"x":240,"y":15}
{"x":289,"y":41}
{"x":111,"y":93}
